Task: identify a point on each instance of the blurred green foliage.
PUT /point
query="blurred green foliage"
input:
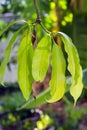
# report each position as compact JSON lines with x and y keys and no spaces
{"x":48,"y":10}
{"x":65,"y":15}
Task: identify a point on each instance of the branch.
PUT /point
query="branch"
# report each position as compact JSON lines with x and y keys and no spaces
{"x":38,"y":20}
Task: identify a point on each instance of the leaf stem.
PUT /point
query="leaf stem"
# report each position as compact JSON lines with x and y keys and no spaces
{"x":45,"y":28}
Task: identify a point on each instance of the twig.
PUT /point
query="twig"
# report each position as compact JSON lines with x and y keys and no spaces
{"x":38,"y":20}
{"x":45,"y":28}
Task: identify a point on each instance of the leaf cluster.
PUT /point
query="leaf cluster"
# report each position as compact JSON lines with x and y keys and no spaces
{"x":34,"y":60}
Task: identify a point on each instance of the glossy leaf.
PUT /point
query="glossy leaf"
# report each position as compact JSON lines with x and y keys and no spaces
{"x":41,"y":58}
{"x":73,"y":66}
{"x":58,"y":80}
{"x":25,"y":54}
{"x":7,"y":53}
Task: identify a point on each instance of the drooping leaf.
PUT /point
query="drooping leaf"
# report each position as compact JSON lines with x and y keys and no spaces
{"x":40,"y":100}
{"x":74,"y":66}
{"x":7,"y":53}
{"x":10,"y":24}
{"x":41,"y":58}
{"x":76,"y":89}
{"x":68,"y":48}
{"x":25,"y":55}
{"x":58,"y":80}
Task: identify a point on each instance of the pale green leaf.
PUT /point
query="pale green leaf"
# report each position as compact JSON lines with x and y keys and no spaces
{"x":40,"y":100}
{"x":25,"y":55}
{"x":7,"y":53}
{"x":76,"y":89}
{"x":42,"y":97}
{"x":74,"y":66}
{"x":41,"y":58}
{"x":58,"y":80}
{"x":68,"y":48}
{"x":10,"y":24}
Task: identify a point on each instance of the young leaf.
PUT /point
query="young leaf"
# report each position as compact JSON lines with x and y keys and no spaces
{"x":10,"y":24}
{"x":25,"y":54}
{"x":42,"y":97}
{"x":40,"y":100}
{"x":41,"y":58}
{"x":7,"y":53}
{"x":58,"y":80}
{"x":68,"y":48}
{"x":76,"y":89}
{"x":73,"y":66}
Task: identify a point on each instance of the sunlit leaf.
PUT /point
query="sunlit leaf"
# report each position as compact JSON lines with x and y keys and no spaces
{"x":7,"y":53}
{"x":10,"y":24}
{"x":25,"y":55}
{"x":58,"y":80}
{"x":76,"y":87}
{"x":73,"y":66}
{"x":40,"y":100}
{"x":41,"y":58}
{"x":42,"y":97}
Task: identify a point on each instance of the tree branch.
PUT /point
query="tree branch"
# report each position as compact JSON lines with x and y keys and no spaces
{"x":38,"y":20}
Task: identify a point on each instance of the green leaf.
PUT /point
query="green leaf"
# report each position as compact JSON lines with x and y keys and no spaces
{"x":40,"y":100}
{"x":68,"y":48}
{"x":10,"y":24}
{"x":58,"y":80}
{"x":74,"y":66}
{"x":76,"y":88}
{"x":25,"y":55}
{"x":7,"y":53}
{"x":42,"y":97}
{"x":41,"y":58}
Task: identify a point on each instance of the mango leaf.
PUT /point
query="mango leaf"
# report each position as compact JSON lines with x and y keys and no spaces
{"x":84,"y":80}
{"x":7,"y":53}
{"x":76,"y":89}
{"x":58,"y":80}
{"x":42,"y":97}
{"x":41,"y":58}
{"x":73,"y":66}
{"x":10,"y":24}
{"x":40,"y":100}
{"x":25,"y":54}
